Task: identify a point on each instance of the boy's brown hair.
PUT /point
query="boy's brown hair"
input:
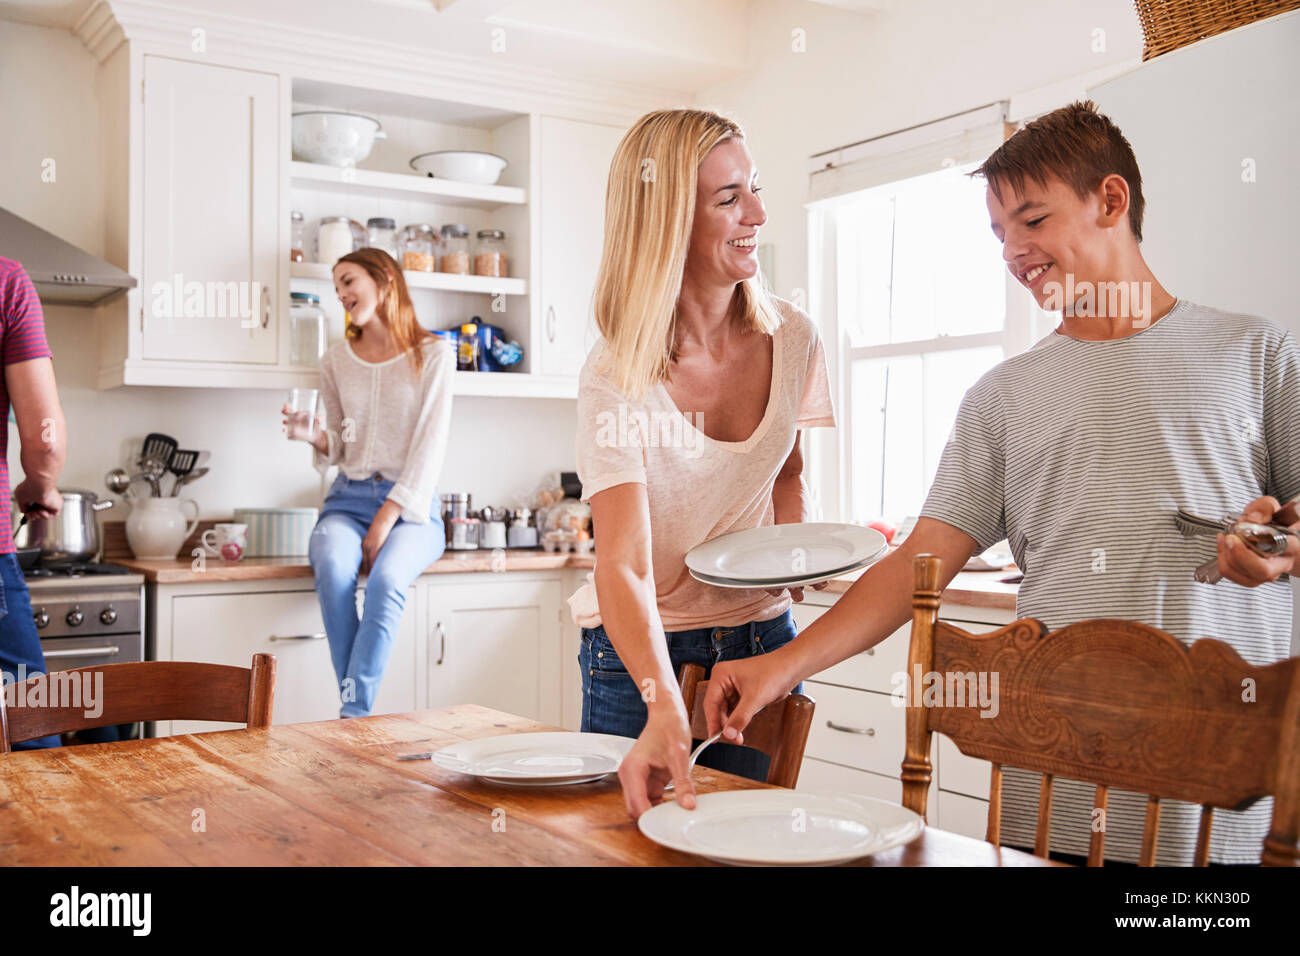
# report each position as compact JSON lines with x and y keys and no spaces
{"x":1075,"y":144}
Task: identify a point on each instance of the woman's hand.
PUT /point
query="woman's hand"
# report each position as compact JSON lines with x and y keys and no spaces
{"x":1240,"y":563}
{"x":796,"y":594}
{"x":661,"y":754}
{"x":740,"y":689}
{"x":374,"y":540}
{"x":297,"y":428}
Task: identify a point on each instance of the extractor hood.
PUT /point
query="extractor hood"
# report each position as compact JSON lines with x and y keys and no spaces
{"x":62,"y":273}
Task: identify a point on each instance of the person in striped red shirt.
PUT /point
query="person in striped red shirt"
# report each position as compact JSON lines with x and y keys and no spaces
{"x":27,"y":382}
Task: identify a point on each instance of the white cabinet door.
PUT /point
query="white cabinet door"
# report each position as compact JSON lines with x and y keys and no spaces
{"x":211,"y":176}
{"x":574,"y":166}
{"x":496,"y":643}
{"x":231,"y":628}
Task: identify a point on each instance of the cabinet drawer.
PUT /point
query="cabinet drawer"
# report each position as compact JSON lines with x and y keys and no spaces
{"x":964,"y":815}
{"x":874,"y":668}
{"x":961,"y":774}
{"x":231,"y":628}
{"x":817,"y":774}
{"x":870,"y":734}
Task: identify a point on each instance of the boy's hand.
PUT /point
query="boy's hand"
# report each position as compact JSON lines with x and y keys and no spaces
{"x":1245,"y":566}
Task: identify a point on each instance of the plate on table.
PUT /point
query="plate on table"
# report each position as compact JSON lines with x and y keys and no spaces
{"x":538,"y":760}
{"x":785,"y":555}
{"x":781,"y":827}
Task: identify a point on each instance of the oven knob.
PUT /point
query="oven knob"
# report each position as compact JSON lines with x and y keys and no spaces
{"x":75,"y":617}
{"x":42,"y":618}
{"x":108,"y":616}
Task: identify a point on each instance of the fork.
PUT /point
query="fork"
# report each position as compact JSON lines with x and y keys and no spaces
{"x":695,"y":755}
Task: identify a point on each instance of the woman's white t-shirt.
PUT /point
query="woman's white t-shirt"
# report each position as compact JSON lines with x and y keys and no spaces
{"x":699,"y":488}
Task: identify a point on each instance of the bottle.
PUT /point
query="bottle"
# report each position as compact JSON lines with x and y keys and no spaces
{"x":467,"y":350}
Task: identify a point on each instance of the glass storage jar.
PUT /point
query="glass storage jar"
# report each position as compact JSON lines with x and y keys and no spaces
{"x":307,"y":337}
{"x":490,"y":253}
{"x":455,"y":249}
{"x":333,"y":239}
{"x":418,"y":248}
{"x":297,"y":237}
{"x":381,"y":233}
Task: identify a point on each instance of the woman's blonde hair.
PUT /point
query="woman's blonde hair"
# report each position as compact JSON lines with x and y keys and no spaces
{"x":393,"y":304}
{"x":649,"y":211}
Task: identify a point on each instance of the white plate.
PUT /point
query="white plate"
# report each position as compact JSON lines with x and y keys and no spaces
{"x":774,"y":554}
{"x":542,"y":759}
{"x":781,"y":827}
{"x":785,"y":583}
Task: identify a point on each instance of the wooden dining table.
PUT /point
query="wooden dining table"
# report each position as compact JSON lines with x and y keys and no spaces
{"x":334,"y":793}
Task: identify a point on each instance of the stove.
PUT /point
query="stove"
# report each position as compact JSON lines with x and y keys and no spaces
{"x":86,"y":614}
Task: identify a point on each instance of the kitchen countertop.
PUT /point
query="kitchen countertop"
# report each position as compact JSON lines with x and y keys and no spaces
{"x":969,"y":588}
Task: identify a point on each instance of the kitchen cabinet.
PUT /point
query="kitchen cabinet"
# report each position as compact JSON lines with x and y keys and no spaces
{"x":230,"y":625}
{"x":211,"y":211}
{"x":574,"y":159}
{"x":495,"y":640}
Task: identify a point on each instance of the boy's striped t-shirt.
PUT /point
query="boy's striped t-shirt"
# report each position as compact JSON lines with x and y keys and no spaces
{"x":22,"y":338}
{"x":1080,"y":453}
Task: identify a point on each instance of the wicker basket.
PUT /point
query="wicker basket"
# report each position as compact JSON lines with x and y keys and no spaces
{"x":1169,"y":24}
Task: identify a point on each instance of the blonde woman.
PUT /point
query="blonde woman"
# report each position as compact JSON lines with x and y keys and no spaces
{"x":689,"y":416}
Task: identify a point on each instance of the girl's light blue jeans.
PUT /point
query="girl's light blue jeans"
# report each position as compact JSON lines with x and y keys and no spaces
{"x":360,"y":647}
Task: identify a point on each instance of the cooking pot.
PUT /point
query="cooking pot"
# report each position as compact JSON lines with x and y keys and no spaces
{"x":71,"y":535}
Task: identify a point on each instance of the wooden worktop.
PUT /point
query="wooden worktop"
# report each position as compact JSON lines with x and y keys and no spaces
{"x":969,"y":588}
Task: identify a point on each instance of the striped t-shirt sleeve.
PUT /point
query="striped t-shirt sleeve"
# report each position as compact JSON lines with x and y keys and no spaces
{"x":1282,"y":420}
{"x":24,"y":323}
{"x":968,"y":488}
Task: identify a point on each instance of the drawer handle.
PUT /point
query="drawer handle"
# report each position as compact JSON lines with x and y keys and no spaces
{"x":299,"y":637}
{"x":550,"y":323}
{"x":442,"y":643}
{"x":86,"y":652}
{"x":870,"y":732}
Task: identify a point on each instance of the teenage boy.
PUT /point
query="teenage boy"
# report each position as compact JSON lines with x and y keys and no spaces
{"x":1079,"y":452}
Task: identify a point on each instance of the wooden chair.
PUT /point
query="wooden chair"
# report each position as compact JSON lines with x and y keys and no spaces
{"x":1112,"y":703}
{"x":151,"y":690}
{"x":780,"y":731}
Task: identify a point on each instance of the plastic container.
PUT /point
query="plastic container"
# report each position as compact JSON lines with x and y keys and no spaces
{"x":467,"y":359}
{"x":308,"y":337}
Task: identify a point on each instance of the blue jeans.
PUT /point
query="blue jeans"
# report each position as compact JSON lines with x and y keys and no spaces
{"x":19,"y":642}
{"x":360,"y":648}
{"x":611,"y":700}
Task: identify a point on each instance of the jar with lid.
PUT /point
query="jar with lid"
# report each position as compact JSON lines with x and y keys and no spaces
{"x":455,"y":249}
{"x":381,"y":233}
{"x":490,"y":253}
{"x":307,"y":339}
{"x":333,"y":239}
{"x":418,"y":248}
{"x":297,"y":237}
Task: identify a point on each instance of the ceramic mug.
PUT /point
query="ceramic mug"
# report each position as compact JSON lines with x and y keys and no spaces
{"x":228,"y":541}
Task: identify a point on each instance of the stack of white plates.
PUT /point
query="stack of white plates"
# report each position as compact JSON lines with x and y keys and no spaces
{"x":785,"y":555}
{"x":781,"y":827}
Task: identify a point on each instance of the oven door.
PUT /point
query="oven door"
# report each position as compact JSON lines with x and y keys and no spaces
{"x":66,"y":653}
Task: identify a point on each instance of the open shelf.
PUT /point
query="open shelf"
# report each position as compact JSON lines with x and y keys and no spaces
{"x":406,"y":187}
{"x":438,"y":281}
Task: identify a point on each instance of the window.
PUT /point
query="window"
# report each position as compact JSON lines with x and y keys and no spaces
{"x":920,"y":305}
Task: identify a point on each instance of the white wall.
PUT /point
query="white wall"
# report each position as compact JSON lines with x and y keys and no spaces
{"x":866,"y":75}
{"x":499,"y":449}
